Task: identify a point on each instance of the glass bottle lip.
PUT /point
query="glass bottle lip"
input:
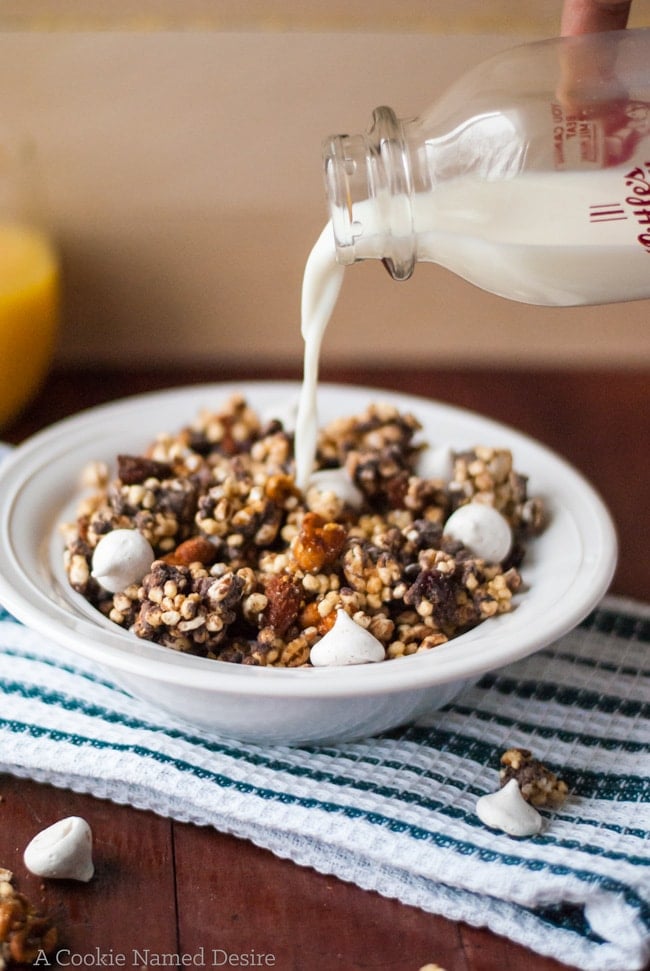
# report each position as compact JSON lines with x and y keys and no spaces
{"x":344,"y":156}
{"x":373,"y":168}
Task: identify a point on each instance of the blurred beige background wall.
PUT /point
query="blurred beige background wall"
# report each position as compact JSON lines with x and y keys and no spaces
{"x":179,"y":148}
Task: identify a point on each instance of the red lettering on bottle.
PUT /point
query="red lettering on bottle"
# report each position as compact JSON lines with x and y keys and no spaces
{"x":637,"y":182}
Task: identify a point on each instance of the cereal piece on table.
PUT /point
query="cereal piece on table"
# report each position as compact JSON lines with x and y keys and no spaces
{"x":25,"y":935}
{"x":538,"y":785}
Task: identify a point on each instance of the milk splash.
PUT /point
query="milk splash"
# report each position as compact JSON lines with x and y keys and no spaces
{"x":321,"y":286}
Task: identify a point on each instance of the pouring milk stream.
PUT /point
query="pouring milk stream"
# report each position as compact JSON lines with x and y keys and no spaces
{"x":322,"y":282}
{"x":530,"y":178}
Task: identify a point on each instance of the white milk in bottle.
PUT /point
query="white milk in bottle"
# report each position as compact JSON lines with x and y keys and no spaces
{"x":578,"y":243}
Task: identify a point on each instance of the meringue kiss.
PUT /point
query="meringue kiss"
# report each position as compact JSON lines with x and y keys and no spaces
{"x":346,"y":643}
{"x":508,"y":811}
{"x":63,"y":851}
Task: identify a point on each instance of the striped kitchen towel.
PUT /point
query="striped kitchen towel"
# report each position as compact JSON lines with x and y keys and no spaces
{"x":396,"y":814}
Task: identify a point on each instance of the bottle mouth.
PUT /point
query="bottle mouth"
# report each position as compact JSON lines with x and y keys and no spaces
{"x":346,"y":185}
{"x":369,"y":189}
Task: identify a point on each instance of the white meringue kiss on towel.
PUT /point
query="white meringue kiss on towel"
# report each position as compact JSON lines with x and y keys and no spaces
{"x":507,"y":810}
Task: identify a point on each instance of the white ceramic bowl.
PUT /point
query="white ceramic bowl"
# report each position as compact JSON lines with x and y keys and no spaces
{"x":567,"y":569}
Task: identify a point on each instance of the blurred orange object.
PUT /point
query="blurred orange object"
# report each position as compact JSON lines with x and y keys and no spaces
{"x":29,"y":313}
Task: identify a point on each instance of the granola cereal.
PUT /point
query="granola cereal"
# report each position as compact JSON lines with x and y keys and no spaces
{"x":539,"y":786}
{"x":24,"y":934}
{"x":250,"y":570}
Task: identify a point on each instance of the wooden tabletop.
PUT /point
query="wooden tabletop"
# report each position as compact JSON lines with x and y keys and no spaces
{"x":164,"y":888}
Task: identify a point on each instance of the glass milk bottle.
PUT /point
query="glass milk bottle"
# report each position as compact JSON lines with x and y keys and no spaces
{"x":530,"y":177}
{"x":29,"y":280}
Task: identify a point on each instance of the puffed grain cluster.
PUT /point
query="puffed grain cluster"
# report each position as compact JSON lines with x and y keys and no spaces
{"x":538,"y":784}
{"x":24,"y":934}
{"x":250,"y":570}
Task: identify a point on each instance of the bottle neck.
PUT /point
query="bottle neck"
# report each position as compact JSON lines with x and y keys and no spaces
{"x":369,"y":188}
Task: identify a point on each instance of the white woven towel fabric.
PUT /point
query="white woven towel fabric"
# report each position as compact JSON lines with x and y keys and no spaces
{"x":396,"y":814}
